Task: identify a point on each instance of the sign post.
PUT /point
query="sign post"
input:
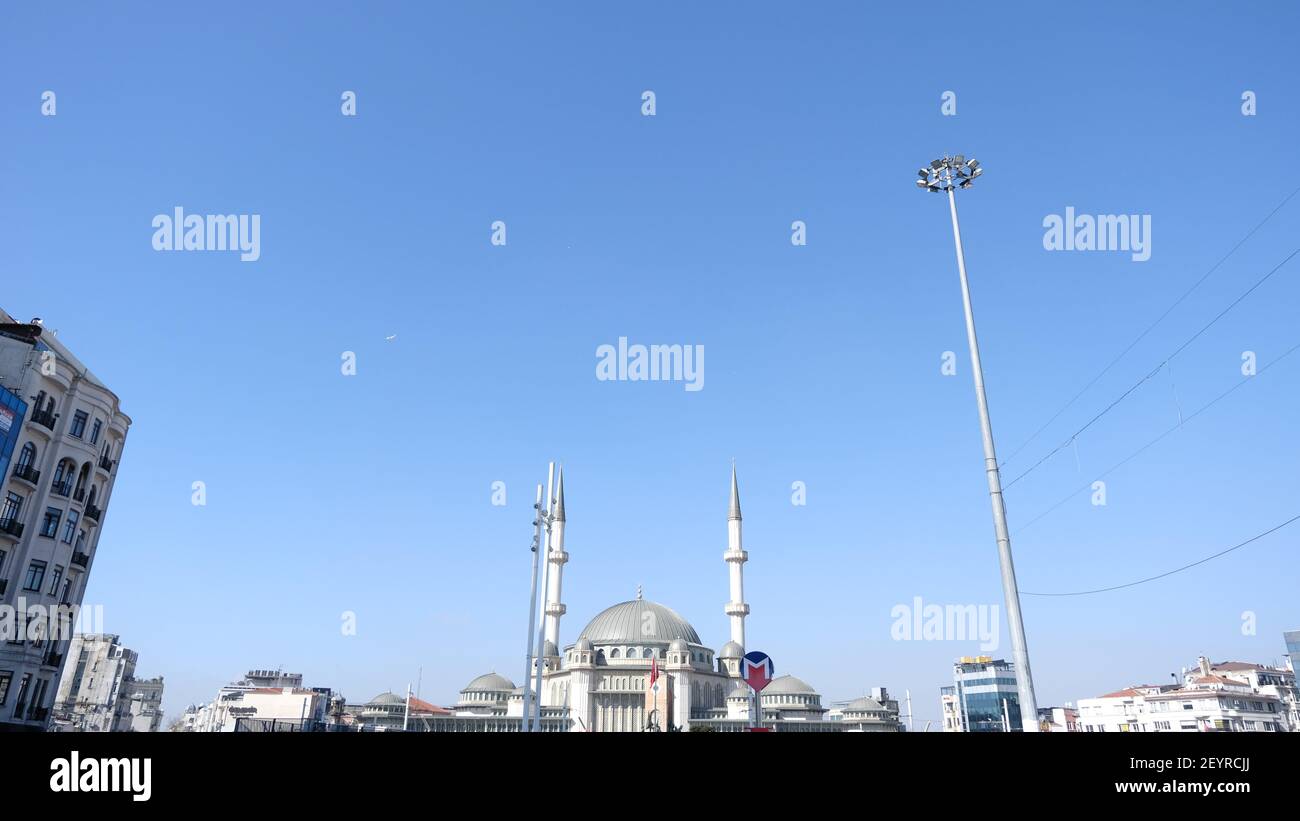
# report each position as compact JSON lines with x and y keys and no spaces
{"x":757,"y":670}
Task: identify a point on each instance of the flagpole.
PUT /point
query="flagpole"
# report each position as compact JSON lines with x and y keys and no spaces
{"x":546,"y":566}
{"x":532,"y":611}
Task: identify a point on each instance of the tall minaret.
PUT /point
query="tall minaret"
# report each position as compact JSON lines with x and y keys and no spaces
{"x":554,"y":607}
{"x":735,"y":558}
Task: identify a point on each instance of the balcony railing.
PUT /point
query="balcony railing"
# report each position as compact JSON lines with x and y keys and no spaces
{"x":63,"y":490}
{"x":105,"y":463}
{"x":11,"y":527}
{"x":80,"y":559}
{"x":45,"y":419}
{"x":27,"y":473}
{"x":93,"y":513}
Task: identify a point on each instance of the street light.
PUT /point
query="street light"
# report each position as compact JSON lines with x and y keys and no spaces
{"x":949,"y":174}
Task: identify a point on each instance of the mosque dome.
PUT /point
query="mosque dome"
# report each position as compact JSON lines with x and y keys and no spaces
{"x":385,"y":699}
{"x":731,"y":650}
{"x":638,"y":622}
{"x":489,"y":682}
{"x":678,"y":646}
{"x":788,"y":685}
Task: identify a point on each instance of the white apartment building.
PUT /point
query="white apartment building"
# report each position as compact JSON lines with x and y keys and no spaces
{"x":98,"y":691}
{"x":67,"y":432}
{"x":1205,"y":702}
{"x":264,"y":696}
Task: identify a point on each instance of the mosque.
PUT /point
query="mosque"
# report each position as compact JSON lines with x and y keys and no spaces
{"x":602,"y":681}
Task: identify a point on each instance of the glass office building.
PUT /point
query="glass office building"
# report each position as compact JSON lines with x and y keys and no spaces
{"x":12,"y":413}
{"x":987,"y":699}
{"x":1292,"y":638}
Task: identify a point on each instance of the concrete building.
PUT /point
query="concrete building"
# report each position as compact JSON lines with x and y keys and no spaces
{"x":268,"y":700}
{"x":1206,"y":701}
{"x":54,"y":493}
{"x":1058,"y":719}
{"x":98,"y":690}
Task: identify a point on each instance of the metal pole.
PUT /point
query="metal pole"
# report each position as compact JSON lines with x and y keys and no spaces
{"x":546,"y":566}
{"x":1010,"y":592}
{"x":532,"y":608}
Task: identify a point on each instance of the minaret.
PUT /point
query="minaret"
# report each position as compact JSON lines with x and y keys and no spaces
{"x":735,"y":557}
{"x":554,"y":607}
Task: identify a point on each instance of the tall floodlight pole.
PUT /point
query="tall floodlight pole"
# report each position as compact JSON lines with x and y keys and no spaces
{"x":532,"y":609}
{"x":547,"y":517}
{"x":947,"y":175}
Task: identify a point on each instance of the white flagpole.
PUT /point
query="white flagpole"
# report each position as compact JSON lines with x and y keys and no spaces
{"x":532,"y":609}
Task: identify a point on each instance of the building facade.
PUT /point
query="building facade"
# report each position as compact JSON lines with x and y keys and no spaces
{"x":54,"y":496}
{"x":269,"y":699}
{"x":983,"y":697}
{"x":1211,"y":698}
{"x":98,"y":690}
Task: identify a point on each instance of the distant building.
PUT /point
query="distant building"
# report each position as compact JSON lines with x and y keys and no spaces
{"x":983,"y":697}
{"x":61,"y":438}
{"x":1292,"y":639}
{"x":1212,"y":698}
{"x":268,"y":700}
{"x":1058,"y":720}
{"x":98,"y":690}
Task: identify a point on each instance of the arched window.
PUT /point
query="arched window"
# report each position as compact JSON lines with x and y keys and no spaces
{"x":82,"y":478}
{"x":49,"y":405}
{"x":613,"y":653}
{"x":90,"y":500}
{"x":648,"y":653}
{"x":27,"y":457}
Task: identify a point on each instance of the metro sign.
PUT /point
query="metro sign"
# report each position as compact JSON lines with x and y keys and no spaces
{"x":757,"y":670}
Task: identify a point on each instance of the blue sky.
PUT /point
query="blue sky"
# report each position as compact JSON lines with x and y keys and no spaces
{"x":372,"y":493}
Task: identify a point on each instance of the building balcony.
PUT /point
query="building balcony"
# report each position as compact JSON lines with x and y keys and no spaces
{"x":64,"y":490}
{"x":105,"y":464}
{"x":41,"y":714}
{"x":54,"y":660}
{"x":45,"y":419}
{"x":28,"y":474}
{"x":79,"y":495}
{"x":12,"y":528}
{"x":93,"y":513}
{"x":80,"y":559}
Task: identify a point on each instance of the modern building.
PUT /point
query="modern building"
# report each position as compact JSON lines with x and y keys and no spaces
{"x":67,"y":431}
{"x":1292,"y":639}
{"x":983,"y":697}
{"x":98,"y":690}
{"x":604,"y":680}
{"x":1206,"y":701}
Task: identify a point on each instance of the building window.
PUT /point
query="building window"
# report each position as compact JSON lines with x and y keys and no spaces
{"x":94,"y":432}
{"x":50,"y":525}
{"x":70,"y":527}
{"x":35,"y":576}
{"x":81,"y":541}
{"x":22,"y":694}
{"x":79,"y":420}
{"x":13,"y":506}
{"x":5,"y":678}
{"x":58,"y":577}
{"x":27,"y":457}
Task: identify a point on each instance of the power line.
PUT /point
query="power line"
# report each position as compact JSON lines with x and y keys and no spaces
{"x":1254,"y":538}
{"x":1154,"y":370}
{"x":1156,"y":440}
{"x":1150,"y":327}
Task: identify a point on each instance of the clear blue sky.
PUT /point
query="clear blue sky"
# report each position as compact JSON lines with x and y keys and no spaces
{"x":372,"y":493}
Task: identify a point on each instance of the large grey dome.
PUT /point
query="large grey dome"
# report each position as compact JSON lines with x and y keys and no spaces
{"x":731,"y":650}
{"x":386,"y":698}
{"x":638,"y":621}
{"x":490,"y":682}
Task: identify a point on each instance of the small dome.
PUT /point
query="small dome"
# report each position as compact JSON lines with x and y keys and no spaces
{"x":678,"y":646}
{"x":386,"y":698}
{"x":739,"y":690}
{"x":490,"y":682}
{"x":731,"y":650}
{"x":866,"y":704}
{"x":584,"y":644}
{"x":549,"y":649}
{"x":788,"y":685}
